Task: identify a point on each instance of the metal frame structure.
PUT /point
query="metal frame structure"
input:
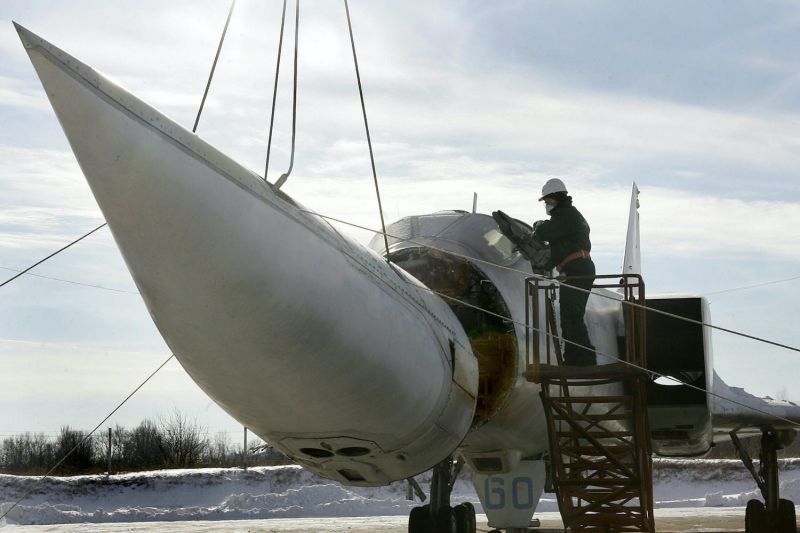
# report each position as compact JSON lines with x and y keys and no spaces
{"x":600,"y":449}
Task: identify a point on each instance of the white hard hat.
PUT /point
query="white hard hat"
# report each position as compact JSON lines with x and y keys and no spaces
{"x":551,"y":186}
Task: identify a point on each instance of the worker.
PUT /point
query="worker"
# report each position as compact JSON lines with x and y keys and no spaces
{"x":567,"y":232}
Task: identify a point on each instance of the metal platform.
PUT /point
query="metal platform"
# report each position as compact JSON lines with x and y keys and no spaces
{"x":600,"y":452}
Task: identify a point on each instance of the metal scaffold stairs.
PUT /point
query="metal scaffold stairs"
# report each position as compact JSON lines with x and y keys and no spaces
{"x":600,"y":454}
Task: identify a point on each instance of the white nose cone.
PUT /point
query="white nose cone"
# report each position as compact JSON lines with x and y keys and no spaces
{"x":309,"y":339}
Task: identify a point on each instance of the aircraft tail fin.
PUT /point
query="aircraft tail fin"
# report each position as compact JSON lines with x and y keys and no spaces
{"x":633,"y":258}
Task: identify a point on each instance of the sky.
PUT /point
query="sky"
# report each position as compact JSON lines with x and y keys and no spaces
{"x":698,"y":103}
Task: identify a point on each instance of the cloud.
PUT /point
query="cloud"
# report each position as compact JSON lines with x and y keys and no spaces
{"x":15,"y":93}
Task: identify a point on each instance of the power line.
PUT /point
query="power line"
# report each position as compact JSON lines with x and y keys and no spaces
{"x":612,"y":357}
{"x":194,"y":128}
{"x":553,"y":336}
{"x":753,"y":286}
{"x":76,"y":241}
{"x":88,"y":435}
{"x":545,"y":278}
{"x":72,"y":282}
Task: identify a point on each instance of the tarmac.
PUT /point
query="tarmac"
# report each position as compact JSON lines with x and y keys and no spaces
{"x":707,"y":520}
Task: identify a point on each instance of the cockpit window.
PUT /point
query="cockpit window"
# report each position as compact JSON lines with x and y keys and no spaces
{"x":476,"y":234}
{"x":480,"y":234}
{"x":501,"y":244}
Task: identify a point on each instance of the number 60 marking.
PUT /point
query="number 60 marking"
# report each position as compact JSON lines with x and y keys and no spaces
{"x":521,"y":492}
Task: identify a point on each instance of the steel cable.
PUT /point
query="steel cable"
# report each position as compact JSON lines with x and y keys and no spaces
{"x":541,"y":277}
{"x":87,"y":437}
{"x":285,"y":175}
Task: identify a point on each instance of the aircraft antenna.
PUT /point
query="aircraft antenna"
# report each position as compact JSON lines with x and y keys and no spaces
{"x":366,"y":127}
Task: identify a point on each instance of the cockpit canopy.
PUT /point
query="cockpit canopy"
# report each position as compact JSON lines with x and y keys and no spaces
{"x":474,"y":235}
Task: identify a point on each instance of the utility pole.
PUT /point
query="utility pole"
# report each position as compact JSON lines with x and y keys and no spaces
{"x":244,"y":450}
{"x":108,"y":473}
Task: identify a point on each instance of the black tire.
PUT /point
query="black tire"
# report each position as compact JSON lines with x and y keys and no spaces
{"x":446,"y":520}
{"x":473,"y":522}
{"x":419,"y":520}
{"x":755,"y":517}
{"x":787,"y":519}
{"x":465,"y":518}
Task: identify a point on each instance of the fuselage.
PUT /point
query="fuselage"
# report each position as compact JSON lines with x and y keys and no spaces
{"x":345,"y":361}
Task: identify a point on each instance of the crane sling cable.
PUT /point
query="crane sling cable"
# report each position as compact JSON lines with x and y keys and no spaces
{"x":275,"y":90}
{"x":366,"y":127}
{"x":554,"y":336}
{"x":87,"y":437}
{"x":123,"y":402}
{"x":545,"y":278}
{"x":213,"y":66}
{"x":194,"y":130}
{"x":285,"y":175}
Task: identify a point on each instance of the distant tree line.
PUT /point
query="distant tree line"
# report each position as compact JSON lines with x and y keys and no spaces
{"x":169,"y":442}
{"x":726,"y":450}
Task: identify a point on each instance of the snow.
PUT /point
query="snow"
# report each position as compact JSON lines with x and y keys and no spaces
{"x":290,"y":492}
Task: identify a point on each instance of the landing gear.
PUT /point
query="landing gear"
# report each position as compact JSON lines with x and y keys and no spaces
{"x":439,"y":516}
{"x":775,"y":515}
{"x":465,"y":518}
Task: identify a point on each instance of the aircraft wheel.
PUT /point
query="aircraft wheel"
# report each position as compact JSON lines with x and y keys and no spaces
{"x":419,"y":520}
{"x":787,"y":519}
{"x":465,"y":518}
{"x":446,"y":520}
{"x":755,"y":517}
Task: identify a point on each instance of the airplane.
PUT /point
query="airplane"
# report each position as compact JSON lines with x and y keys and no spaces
{"x":367,"y":365}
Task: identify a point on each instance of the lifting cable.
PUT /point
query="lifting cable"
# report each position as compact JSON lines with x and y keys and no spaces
{"x":275,"y":90}
{"x":194,"y":130}
{"x":213,"y":66}
{"x":285,"y":175}
{"x":366,"y":127}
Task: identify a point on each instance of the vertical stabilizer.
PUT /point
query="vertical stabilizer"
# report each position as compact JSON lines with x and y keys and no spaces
{"x":633,"y":257}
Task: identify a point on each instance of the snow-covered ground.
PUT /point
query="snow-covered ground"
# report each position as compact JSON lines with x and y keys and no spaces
{"x":291,"y":492}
